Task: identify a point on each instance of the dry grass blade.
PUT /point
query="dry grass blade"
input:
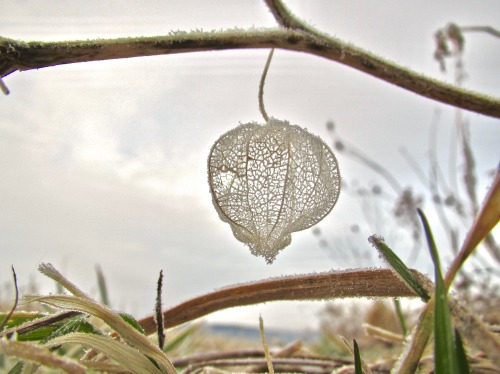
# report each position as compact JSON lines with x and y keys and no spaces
{"x":128,"y":357}
{"x":264,"y":345}
{"x":475,"y":331}
{"x":51,"y":272}
{"x":382,"y":334}
{"x":127,"y":332}
{"x":486,"y":220}
{"x":41,"y":355}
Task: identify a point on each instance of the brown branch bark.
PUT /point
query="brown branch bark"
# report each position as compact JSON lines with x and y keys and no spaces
{"x":330,"y":285}
{"x":319,"y":286}
{"x":18,"y":56}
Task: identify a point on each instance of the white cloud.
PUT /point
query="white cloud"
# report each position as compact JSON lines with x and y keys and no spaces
{"x":106,"y":162}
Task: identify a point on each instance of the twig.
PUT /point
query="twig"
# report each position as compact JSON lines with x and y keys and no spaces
{"x":284,"y":17}
{"x":486,"y":29}
{"x":261,"y":86}
{"x":19,"y":55}
{"x":16,"y":300}
{"x":320,"y":286}
{"x":282,"y":362}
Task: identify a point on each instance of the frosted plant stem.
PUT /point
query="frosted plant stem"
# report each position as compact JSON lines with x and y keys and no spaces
{"x":19,"y":55}
{"x":319,"y":286}
{"x":261,"y":86}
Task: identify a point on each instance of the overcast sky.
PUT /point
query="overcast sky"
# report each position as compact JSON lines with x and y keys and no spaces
{"x":105,"y":162}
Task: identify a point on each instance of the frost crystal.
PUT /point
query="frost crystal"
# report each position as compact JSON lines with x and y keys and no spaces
{"x":269,"y":181}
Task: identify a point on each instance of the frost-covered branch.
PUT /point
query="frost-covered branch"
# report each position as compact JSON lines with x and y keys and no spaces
{"x":317,"y":286}
{"x":292,"y":35}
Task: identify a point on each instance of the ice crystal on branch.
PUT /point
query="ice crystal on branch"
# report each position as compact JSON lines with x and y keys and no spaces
{"x":268,"y":181}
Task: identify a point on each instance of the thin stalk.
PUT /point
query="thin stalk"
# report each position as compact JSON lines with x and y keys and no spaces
{"x":261,"y":86}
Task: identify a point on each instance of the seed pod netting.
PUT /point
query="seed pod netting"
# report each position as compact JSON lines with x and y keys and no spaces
{"x":268,"y":181}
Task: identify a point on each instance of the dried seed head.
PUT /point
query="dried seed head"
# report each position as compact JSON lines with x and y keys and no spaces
{"x":269,"y":181}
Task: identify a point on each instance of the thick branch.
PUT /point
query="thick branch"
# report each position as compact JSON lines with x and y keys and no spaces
{"x":17,"y":55}
{"x":356,"y":283}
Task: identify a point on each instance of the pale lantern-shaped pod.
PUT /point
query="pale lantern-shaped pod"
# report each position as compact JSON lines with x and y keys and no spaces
{"x":268,"y":181}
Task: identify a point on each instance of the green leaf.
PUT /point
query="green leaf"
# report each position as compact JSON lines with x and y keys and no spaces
{"x":18,"y":318}
{"x":101,"y":282}
{"x":75,"y":324}
{"x":395,"y":262}
{"x":357,"y":359}
{"x":445,"y":359}
{"x":463,"y":363}
{"x":401,"y":316}
{"x":37,"y":334}
{"x":17,"y":368}
{"x":132,"y":322}
{"x":115,"y":321}
{"x":177,"y":340}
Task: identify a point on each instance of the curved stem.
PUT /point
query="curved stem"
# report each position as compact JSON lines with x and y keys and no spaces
{"x":318,"y":286}
{"x":261,"y":86}
{"x":18,"y":55}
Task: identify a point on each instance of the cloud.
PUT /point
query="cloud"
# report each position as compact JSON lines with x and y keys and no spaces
{"x":105,"y":162}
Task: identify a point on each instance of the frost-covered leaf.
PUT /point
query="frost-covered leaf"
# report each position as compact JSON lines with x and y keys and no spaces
{"x":269,"y":181}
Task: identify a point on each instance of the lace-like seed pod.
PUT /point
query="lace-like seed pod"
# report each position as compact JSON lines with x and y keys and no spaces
{"x":268,"y":181}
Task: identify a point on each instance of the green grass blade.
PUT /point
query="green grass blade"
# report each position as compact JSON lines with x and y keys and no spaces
{"x":173,"y":343}
{"x":18,"y":318}
{"x":101,"y":284}
{"x":358,"y":369}
{"x":399,"y":267}
{"x":401,"y":317}
{"x":445,"y":359}
{"x":132,"y":322}
{"x":75,"y":324}
{"x":37,"y":334}
{"x":127,"y":356}
{"x":17,"y":368}
{"x":463,"y":363}
{"x":115,"y":321}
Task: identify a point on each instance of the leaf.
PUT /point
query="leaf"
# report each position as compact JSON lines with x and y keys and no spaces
{"x":401,"y":317}
{"x":101,"y":282}
{"x":39,"y":354}
{"x":445,"y":359}
{"x":358,"y":369}
{"x":399,"y":267}
{"x":115,"y":321}
{"x":174,"y":342}
{"x":128,"y":357}
{"x":17,"y":368}
{"x":463,"y":363}
{"x":18,"y":318}
{"x":72,"y":325}
{"x":132,"y":322}
{"x":269,"y":181}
